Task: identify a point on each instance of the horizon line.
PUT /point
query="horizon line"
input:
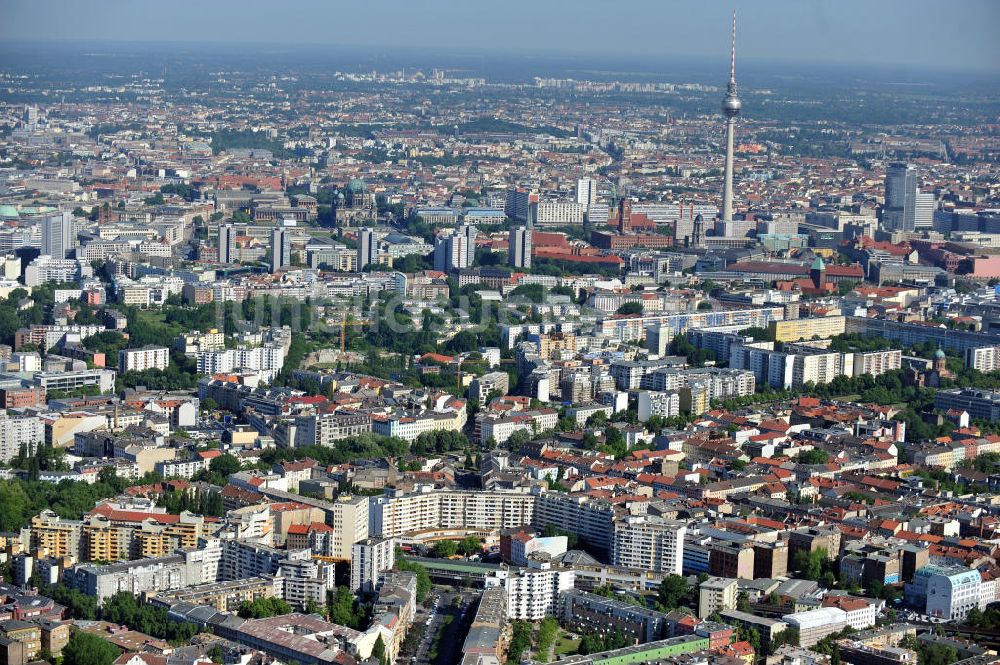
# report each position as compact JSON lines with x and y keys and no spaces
{"x":285,"y":48}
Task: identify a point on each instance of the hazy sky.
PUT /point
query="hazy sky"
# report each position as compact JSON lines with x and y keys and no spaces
{"x":914,"y":32}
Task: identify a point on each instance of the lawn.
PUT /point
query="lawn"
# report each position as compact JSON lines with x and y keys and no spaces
{"x":567,"y":644}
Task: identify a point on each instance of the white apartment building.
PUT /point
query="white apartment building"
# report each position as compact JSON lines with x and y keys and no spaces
{"x":559,"y":213}
{"x":266,"y":359}
{"x":877,"y":362}
{"x":860,"y":613}
{"x":399,"y":513}
{"x":586,"y":191}
{"x":716,"y":594}
{"x":663,"y":404}
{"x":349,"y":519}
{"x":501,"y":428}
{"x":533,"y":593}
{"x":586,"y":516}
{"x":147,"y":291}
{"x":181,"y":468}
{"x":648,"y":542}
{"x":409,"y":427}
{"x":48,"y":269}
{"x":789,"y":370}
{"x":984,"y":358}
{"x":369,"y":559}
{"x":305,"y":579}
{"x":147,"y":357}
{"x":325,"y":429}
{"x":17,"y":431}
{"x":193,"y":342}
{"x":483,"y":385}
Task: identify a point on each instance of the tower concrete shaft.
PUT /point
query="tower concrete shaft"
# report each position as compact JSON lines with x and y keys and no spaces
{"x":727,"y":189}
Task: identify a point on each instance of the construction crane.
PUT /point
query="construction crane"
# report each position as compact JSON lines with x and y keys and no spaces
{"x":343,"y":331}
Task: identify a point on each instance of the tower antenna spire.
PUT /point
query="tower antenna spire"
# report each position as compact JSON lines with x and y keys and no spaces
{"x":732,"y":66}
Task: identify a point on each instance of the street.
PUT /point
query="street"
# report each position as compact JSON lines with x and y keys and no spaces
{"x":443,"y":627}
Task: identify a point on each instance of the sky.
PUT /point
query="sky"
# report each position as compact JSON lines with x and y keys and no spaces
{"x":917,"y":33}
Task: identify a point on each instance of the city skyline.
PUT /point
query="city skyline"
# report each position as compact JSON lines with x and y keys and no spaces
{"x":913,"y":34}
{"x":398,"y":333}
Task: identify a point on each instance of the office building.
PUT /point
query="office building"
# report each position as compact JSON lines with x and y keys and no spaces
{"x":281,"y":249}
{"x":980,"y":404}
{"x":814,"y":625}
{"x":948,"y":593}
{"x":729,"y":560}
{"x":519,"y":247}
{"x":586,"y":192}
{"x":367,"y":248}
{"x":457,"y":250}
{"x":57,"y":235}
{"x":923,"y":214}
{"x":227,"y":243}
{"x":899,"y":211}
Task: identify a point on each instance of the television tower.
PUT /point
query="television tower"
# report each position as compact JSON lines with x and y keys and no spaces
{"x":730,"y":108}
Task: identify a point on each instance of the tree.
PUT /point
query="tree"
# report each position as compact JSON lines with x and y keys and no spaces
{"x":470,"y":545}
{"x":518,"y":438}
{"x":630,"y":308}
{"x":788,"y":636}
{"x":936,"y":653}
{"x":124,"y":608}
{"x":344,"y":609}
{"x":87,"y":649}
{"x":424,"y":584}
{"x":80,"y":605}
{"x":444,"y":549}
{"x":263,"y":608}
{"x":671,"y":591}
{"x":814,"y":456}
{"x":225,"y":465}
{"x":809,"y":564}
{"x":520,"y":641}
{"x":378,"y":650}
